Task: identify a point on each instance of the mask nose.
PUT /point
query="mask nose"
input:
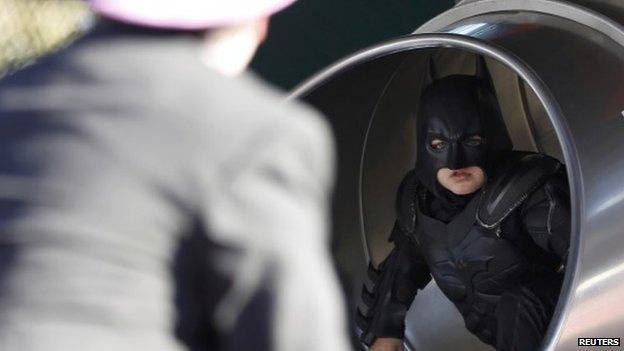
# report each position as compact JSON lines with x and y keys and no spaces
{"x":456,"y":157}
{"x":453,"y":159}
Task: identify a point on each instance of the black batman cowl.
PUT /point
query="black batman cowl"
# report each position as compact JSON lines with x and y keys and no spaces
{"x":454,"y":109}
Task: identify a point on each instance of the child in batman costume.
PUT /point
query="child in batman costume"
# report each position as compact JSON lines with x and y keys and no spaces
{"x":496,"y":253}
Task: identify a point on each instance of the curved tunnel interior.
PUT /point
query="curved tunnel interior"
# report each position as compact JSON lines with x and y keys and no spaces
{"x":372,"y":109}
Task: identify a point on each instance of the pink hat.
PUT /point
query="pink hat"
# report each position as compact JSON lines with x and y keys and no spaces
{"x":187,"y":14}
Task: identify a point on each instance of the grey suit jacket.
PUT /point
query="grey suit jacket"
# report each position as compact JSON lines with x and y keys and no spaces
{"x":146,"y":202}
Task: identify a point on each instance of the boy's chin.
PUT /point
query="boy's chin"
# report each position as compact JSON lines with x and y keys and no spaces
{"x":463,"y":190}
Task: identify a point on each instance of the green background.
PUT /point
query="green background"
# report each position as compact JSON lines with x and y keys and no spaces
{"x":311,"y":34}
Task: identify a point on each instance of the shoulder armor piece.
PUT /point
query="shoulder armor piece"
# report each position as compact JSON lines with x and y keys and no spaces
{"x":406,"y":202}
{"x":513,"y":185}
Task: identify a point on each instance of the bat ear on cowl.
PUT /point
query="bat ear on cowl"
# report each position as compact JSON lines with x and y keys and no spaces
{"x":482,"y":72}
{"x":432,"y":71}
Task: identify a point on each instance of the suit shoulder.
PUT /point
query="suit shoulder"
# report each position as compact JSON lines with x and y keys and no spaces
{"x":513,"y":184}
{"x":255,"y":101}
{"x":406,"y":202}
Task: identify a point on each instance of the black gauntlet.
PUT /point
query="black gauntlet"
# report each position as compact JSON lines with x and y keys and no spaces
{"x":395,"y":284}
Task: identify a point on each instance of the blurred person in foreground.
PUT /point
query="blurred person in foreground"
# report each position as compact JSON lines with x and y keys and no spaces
{"x":151,"y":202}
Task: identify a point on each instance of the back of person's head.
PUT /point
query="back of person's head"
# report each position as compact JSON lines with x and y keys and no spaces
{"x":187,"y":14}
{"x":234,"y":28}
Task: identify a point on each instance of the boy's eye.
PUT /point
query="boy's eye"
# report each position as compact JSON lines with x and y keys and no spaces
{"x":474,"y":140}
{"x":437,"y":144}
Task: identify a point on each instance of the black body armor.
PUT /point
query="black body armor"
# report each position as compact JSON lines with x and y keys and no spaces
{"x":512,"y":234}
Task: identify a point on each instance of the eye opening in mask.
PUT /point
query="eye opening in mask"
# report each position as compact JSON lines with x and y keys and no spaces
{"x":473,"y":140}
{"x":437,"y":142}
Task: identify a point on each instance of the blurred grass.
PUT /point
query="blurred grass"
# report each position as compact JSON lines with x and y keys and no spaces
{"x":30,"y":29}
